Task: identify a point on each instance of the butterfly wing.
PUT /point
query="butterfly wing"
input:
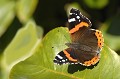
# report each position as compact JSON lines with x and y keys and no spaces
{"x":76,"y":20}
{"x":65,"y":56}
{"x":73,"y":56}
{"x":81,"y":33}
{"x":86,"y":42}
{"x":91,"y":38}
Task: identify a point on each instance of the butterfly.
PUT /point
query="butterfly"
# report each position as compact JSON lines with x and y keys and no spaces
{"x":86,"y":43}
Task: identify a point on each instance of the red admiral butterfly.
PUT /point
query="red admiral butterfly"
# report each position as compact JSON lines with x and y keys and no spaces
{"x":86,"y":42}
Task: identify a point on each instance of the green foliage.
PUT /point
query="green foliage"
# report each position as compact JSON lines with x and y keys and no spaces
{"x":25,"y":39}
{"x":24,"y":54}
{"x":40,"y":65}
{"x":8,"y":9}
{"x":22,"y":46}
{"x":25,"y":9}
{"x":6,"y":16}
{"x":96,"y":4}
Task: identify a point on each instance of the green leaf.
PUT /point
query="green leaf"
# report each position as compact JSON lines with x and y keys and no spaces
{"x":96,"y":4}
{"x":3,"y":2}
{"x":22,"y":46}
{"x":6,"y":16}
{"x":39,"y":32}
{"x":40,"y":65}
{"x":25,"y":9}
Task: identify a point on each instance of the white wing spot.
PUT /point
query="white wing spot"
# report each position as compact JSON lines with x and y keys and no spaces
{"x":71,"y":20}
{"x":72,"y":63}
{"x":78,"y":17}
{"x":59,"y":57}
{"x":76,"y":63}
{"x":63,"y":60}
{"x":92,"y":29}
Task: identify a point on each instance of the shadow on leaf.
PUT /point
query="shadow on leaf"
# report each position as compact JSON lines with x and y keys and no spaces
{"x":78,"y":67}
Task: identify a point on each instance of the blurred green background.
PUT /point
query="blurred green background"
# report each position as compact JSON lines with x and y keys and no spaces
{"x":49,"y":14}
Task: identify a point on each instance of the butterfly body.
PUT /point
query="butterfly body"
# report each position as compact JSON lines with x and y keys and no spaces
{"x":86,"y":42}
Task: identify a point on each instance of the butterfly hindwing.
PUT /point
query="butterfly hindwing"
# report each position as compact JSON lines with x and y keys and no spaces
{"x":65,"y":56}
{"x":73,"y":56}
{"x":87,"y":38}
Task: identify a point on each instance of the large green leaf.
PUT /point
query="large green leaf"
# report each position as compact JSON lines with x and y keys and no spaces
{"x":22,"y":46}
{"x":40,"y":65}
{"x":6,"y":16}
{"x":25,"y":9}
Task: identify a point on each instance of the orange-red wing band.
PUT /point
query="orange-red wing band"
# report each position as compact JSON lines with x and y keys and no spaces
{"x":92,"y":61}
{"x":68,"y":56}
{"x":100,"y":38}
{"x":76,"y":28}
